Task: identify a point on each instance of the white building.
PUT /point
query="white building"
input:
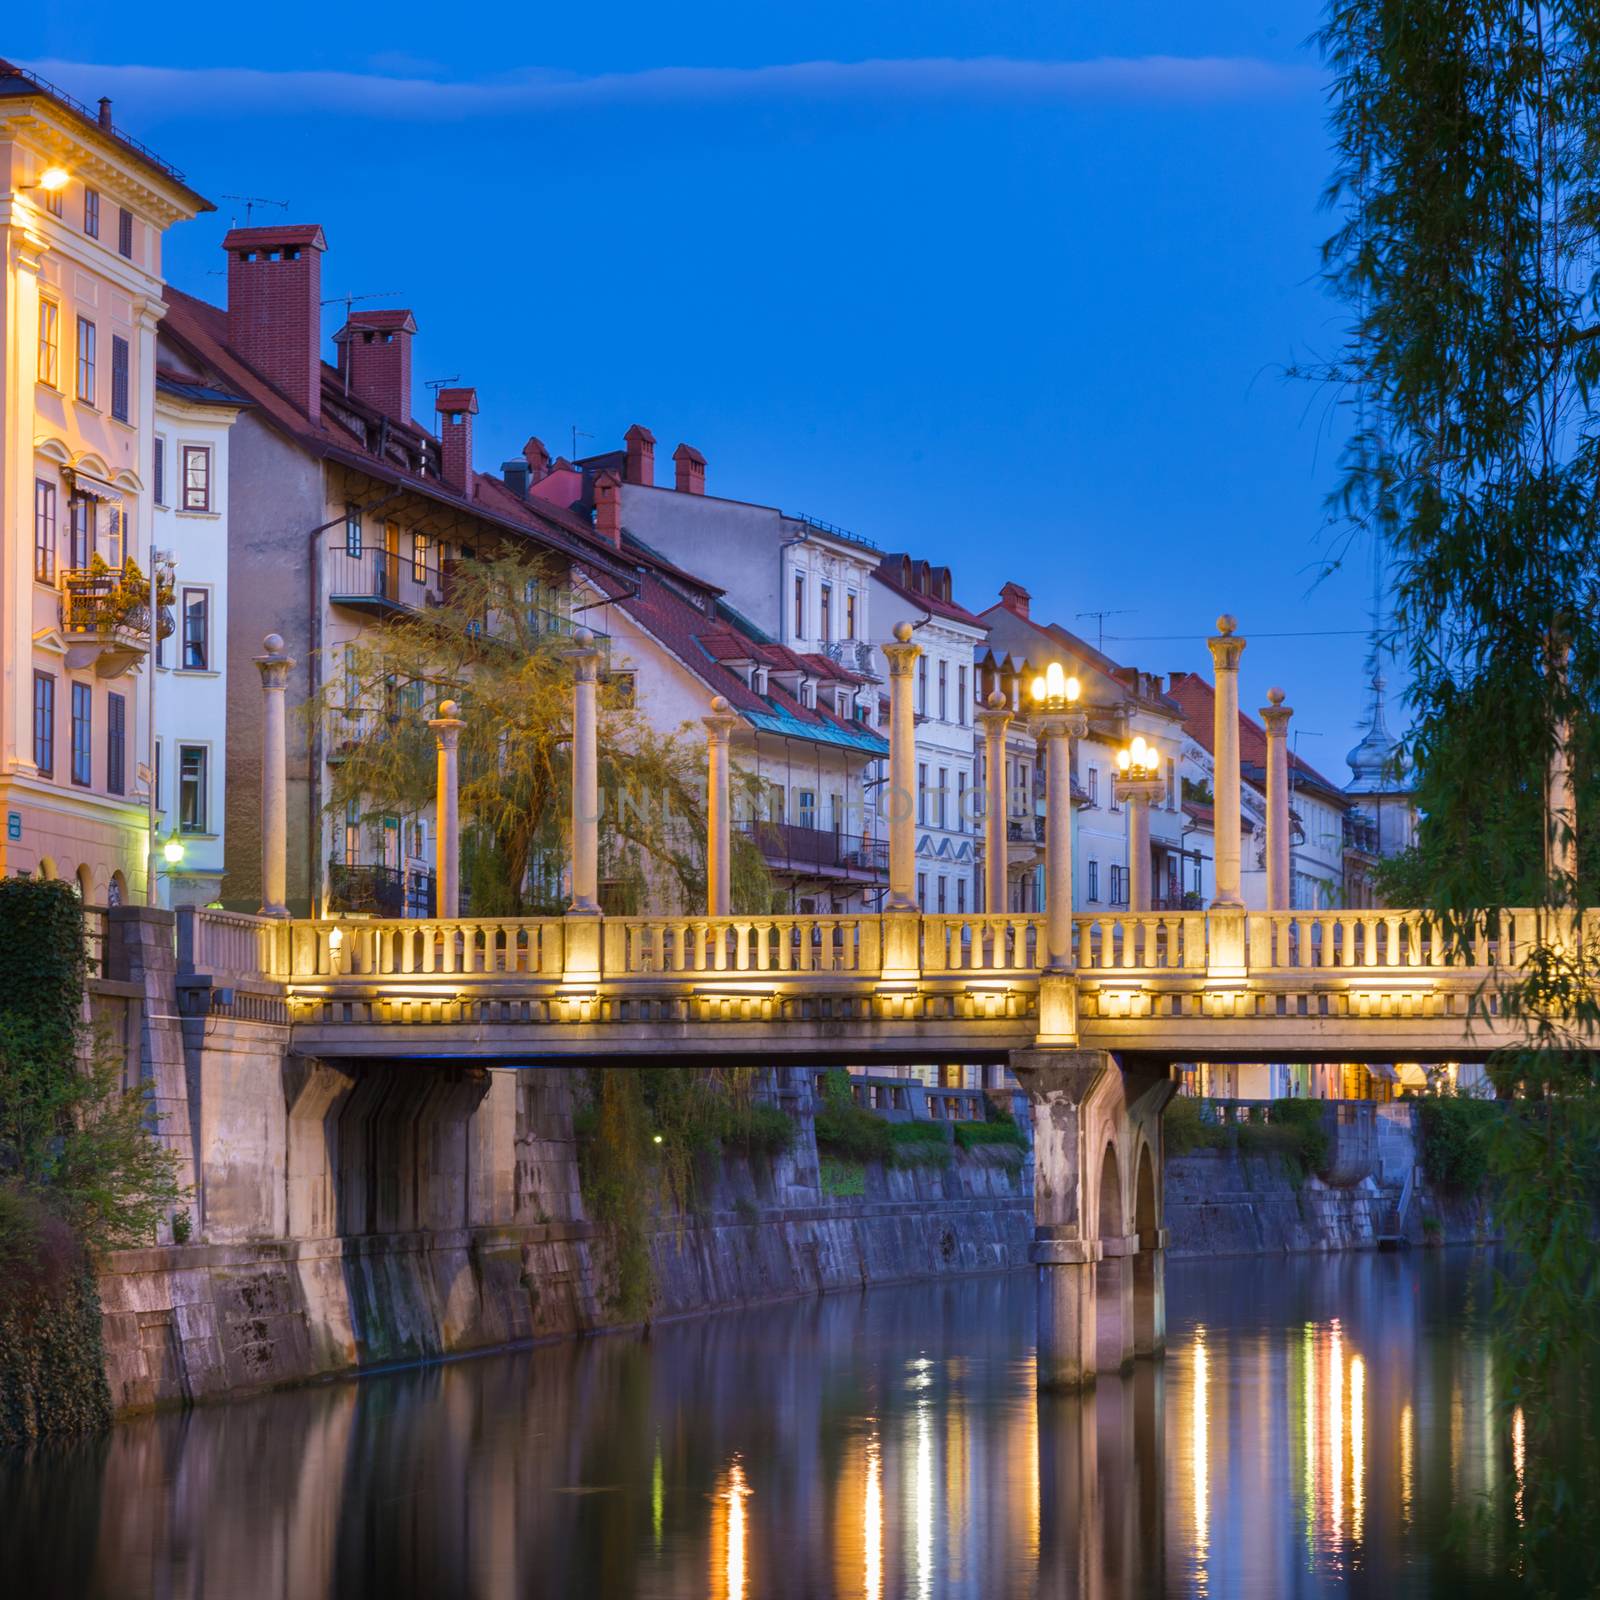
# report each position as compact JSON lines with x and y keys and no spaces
{"x":948,"y":800}
{"x":190,"y":491}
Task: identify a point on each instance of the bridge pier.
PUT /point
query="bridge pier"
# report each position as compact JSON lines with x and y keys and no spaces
{"x":1097,"y":1251}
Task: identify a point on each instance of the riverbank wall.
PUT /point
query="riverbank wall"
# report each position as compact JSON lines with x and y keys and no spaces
{"x":351,"y":1219}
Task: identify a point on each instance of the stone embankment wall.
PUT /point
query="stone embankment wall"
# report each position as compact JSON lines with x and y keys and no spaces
{"x":356,"y":1216}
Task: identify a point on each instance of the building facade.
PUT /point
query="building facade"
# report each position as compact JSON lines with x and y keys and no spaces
{"x":85,"y":211}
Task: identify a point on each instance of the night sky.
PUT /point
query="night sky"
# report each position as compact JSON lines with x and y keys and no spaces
{"x":1010,"y":285}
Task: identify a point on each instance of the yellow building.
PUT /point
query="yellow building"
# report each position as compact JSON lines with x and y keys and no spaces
{"x":85,"y":209}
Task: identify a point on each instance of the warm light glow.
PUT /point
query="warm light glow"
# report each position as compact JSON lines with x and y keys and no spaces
{"x":1405,"y":1461}
{"x":173,"y":851}
{"x":1519,"y":1454}
{"x":1336,"y":1435}
{"x":655,"y":1138}
{"x":872,"y":1523}
{"x":1358,"y":1442}
{"x":1124,"y":760}
{"x":1202,"y":1465}
{"x":735,"y":1496}
{"x":54,"y":178}
{"x":1055,"y":687}
{"x":1308,"y":1489}
{"x":335,"y":939}
{"x":1140,"y":750}
{"x":1037,"y":688}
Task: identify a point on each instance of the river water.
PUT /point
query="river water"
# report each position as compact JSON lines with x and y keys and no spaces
{"x":1320,"y":1425}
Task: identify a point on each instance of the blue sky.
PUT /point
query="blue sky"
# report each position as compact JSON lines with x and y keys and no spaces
{"x":1012,"y":285}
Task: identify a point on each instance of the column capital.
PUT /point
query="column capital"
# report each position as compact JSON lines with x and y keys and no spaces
{"x":274,"y":665}
{"x":447,"y":725}
{"x":994,"y":716}
{"x":1227,"y":646}
{"x":584,"y":654}
{"x":1138,"y":791}
{"x":1275,"y":717}
{"x":1062,"y":724}
{"x":722,"y":721}
{"x":903,"y":653}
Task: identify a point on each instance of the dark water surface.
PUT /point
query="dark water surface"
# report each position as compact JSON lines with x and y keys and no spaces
{"x":1315,"y":1425}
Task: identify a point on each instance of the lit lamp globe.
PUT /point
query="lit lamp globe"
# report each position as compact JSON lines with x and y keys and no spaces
{"x":1138,"y":759}
{"x":52,"y":180}
{"x":173,"y":852}
{"x":1054,"y":688}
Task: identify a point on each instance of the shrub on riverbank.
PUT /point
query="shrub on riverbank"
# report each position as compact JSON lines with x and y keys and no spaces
{"x":999,"y":1127}
{"x":846,"y":1130}
{"x":919,"y":1144}
{"x":1455,"y":1140}
{"x":1293,"y":1131}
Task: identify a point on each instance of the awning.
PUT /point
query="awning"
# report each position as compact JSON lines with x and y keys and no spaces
{"x":93,"y":488}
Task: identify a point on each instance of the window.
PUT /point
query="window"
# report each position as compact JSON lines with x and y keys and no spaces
{"x":352,"y":832}
{"x":116,"y":536}
{"x":197,"y":477}
{"x":79,"y":528}
{"x":961,"y":696}
{"x":922,"y":891}
{"x":50,"y":343}
{"x":159,"y":470}
{"x":116,"y":743}
{"x":82,"y":733}
{"x":850,"y":613}
{"x":91,"y":212}
{"x":419,"y":557}
{"x":157,"y":776}
{"x":939,"y":799}
{"x":44,"y":531}
{"x":944,"y":691}
{"x":352,"y":532}
{"x":119,"y":378}
{"x":825,"y":612}
{"x":55,"y":202}
{"x":961,"y":896}
{"x":125,"y":232}
{"x":1094,"y":786}
{"x":44,"y":723}
{"x":961,"y":805}
{"x":943,"y":889}
{"x":1094,"y":880}
{"x":86,"y":360}
{"x":922,"y":792}
{"x":196,"y":630}
{"x":799,"y":605}
{"x":192,"y":788}
{"x":922,"y":685}
{"x":1116,"y":886}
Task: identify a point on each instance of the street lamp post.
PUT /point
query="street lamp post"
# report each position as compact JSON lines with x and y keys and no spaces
{"x":1055,"y":696}
{"x":1137,"y":783}
{"x":161,"y":561}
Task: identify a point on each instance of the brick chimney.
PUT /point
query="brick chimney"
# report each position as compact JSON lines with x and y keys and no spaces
{"x":275,"y":307}
{"x":608,"y":507}
{"x":690,"y":467}
{"x":538,"y":459}
{"x":456,"y":408}
{"x":1015,"y":599}
{"x":640,"y":466}
{"x":375,"y":360}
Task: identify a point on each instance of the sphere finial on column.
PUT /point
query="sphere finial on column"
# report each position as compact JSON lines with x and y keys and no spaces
{"x":903,"y":632}
{"x":1227,"y":623}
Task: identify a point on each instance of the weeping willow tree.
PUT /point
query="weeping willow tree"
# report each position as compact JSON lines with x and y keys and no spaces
{"x":1467,"y":138}
{"x":497,"y":646}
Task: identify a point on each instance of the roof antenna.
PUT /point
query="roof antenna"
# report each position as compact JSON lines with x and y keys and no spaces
{"x":1100,"y":617}
{"x":576,"y":436}
{"x":348,"y":300}
{"x":251,"y":201}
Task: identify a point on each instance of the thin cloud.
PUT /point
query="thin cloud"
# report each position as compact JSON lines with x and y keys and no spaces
{"x":174,"y":91}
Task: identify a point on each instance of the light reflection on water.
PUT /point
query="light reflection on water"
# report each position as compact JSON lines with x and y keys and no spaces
{"x":1312,"y":1427}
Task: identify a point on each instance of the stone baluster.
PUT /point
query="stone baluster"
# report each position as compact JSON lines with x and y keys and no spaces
{"x":447,"y":728}
{"x":275,"y":666}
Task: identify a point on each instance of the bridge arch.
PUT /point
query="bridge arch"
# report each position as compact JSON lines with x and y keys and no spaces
{"x":1113,"y":1284}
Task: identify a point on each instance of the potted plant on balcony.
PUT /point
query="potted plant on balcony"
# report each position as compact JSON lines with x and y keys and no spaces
{"x":106,"y":612}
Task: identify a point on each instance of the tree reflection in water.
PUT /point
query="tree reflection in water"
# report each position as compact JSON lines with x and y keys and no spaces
{"x":1311,"y":1430}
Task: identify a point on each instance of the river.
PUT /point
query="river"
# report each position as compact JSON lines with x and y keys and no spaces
{"x":1320,"y":1425}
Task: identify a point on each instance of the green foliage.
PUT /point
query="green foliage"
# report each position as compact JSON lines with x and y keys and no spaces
{"x":1456,"y":1136}
{"x":1432,"y":1230}
{"x":1294,"y":1132}
{"x":1182,"y":1125}
{"x":1467,"y":135}
{"x":920,"y":1144}
{"x":495,"y":647}
{"x":846,"y":1130}
{"x":842,"y":1180}
{"x":998,"y":1130}
{"x":646,"y":1139}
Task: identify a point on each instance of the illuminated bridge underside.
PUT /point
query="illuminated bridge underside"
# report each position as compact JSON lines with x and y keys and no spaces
{"x":1373,"y":986}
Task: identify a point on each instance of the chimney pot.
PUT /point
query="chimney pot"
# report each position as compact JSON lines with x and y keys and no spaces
{"x":537,"y":459}
{"x":105,"y":111}
{"x":689,"y":469}
{"x":456,"y":409}
{"x":639,"y":464}
{"x":1015,"y":599}
{"x":375,"y":360}
{"x":608,"y":507}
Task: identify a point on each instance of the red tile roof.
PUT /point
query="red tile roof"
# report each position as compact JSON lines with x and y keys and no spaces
{"x":1197,"y":699}
{"x":888,"y":574}
{"x":289,"y":233}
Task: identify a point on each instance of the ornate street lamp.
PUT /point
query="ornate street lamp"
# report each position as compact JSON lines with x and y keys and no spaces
{"x":1138,"y":782}
{"x":1056,"y":697}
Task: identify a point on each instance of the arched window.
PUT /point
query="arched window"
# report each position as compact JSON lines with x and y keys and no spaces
{"x":117,"y":889}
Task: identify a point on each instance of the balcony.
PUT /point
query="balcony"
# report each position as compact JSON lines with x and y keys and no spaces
{"x":105,"y":618}
{"x":380,"y":891}
{"x":379,"y":583}
{"x":820,"y":852}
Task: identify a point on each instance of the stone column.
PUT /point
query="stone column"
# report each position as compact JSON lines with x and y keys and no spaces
{"x":1137,"y":794}
{"x":1275,"y":718}
{"x":902,"y":658}
{"x":274,"y":667}
{"x":1225,"y":652}
{"x":1058,"y":729}
{"x":994,"y":719}
{"x":1059,"y":1084}
{"x":585,"y":659}
{"x":1114,"y":1290}
{"x":1150,"y":1293}
{"x":447,"y":728}
{"x":719,"y":730}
